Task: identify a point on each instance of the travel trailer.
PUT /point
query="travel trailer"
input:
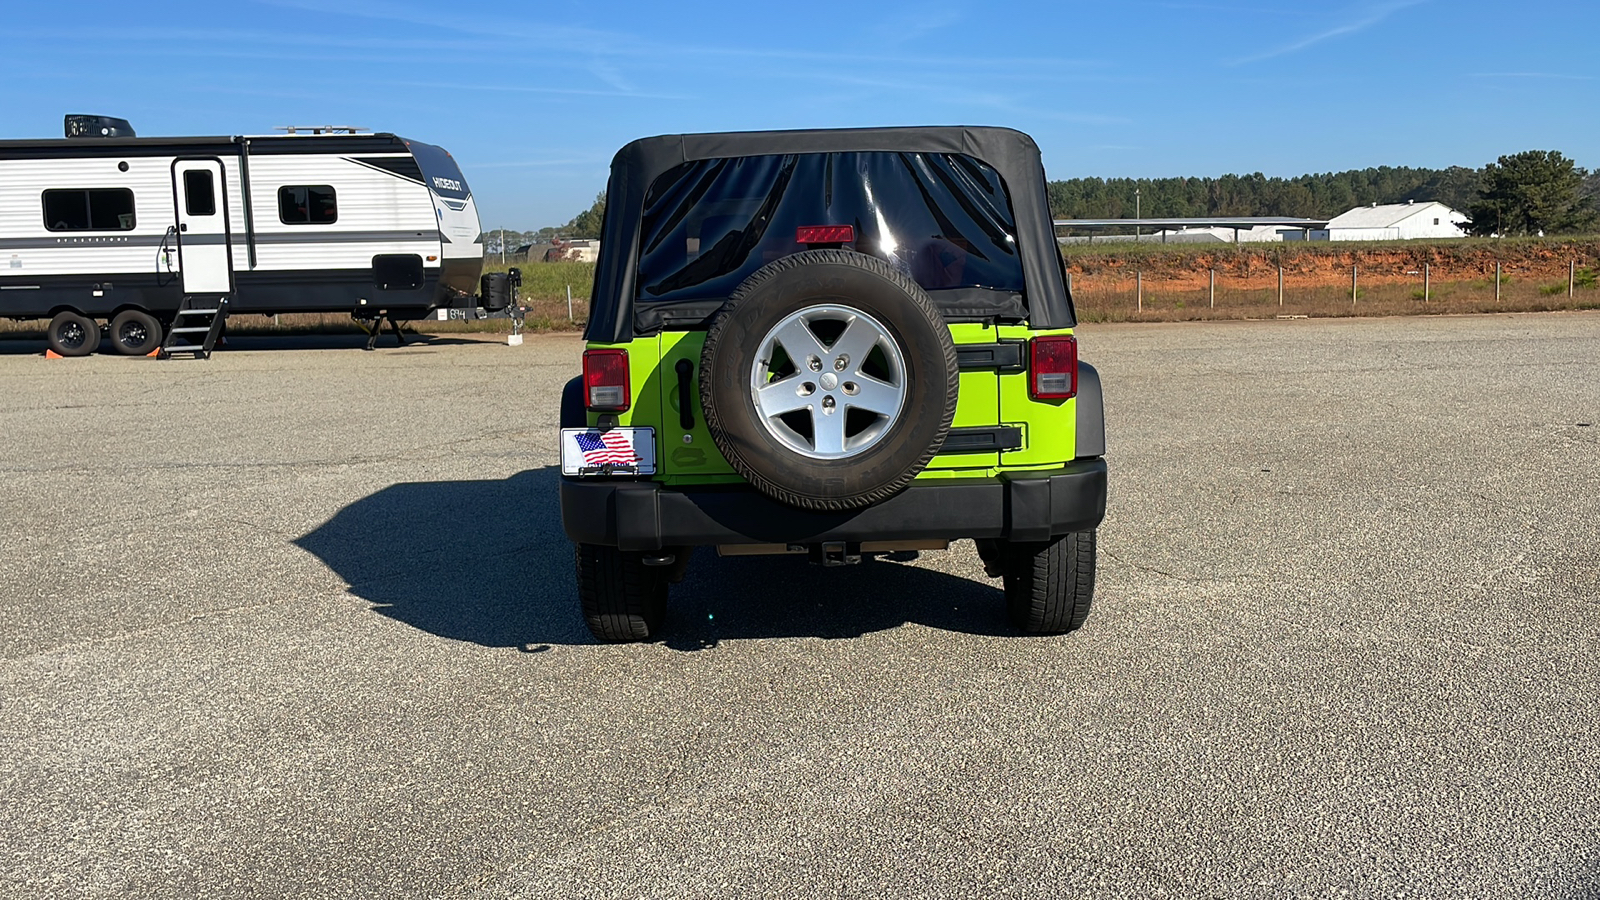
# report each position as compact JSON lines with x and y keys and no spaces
{"x":161,"y":238}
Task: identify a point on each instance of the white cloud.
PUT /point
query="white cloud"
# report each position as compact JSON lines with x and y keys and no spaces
{"x":1369,"y":17}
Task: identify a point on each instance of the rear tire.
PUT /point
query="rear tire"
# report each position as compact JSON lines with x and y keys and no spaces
{"x":622,"y":598}
{"x":1050,"y":586}
{"x":73,"y":334}
{"x":135,"y":332}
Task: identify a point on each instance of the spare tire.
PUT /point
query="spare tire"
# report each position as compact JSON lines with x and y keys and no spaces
{"x":494,"y":291}
{"x":828,"y":380}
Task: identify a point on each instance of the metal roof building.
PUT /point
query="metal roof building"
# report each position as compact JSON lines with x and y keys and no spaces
{"x":1204,"y":228}
{"x":1395,"y":222}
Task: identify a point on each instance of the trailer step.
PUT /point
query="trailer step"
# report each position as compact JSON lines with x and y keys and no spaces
{"x":180,"y":340}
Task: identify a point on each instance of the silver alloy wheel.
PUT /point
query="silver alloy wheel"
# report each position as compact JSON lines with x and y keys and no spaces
{"x":816,"y":382}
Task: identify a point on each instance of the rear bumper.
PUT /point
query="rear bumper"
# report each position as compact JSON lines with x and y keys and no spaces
{"x":1026,"y":506}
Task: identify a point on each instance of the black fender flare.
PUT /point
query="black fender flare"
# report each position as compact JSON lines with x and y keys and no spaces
{"x":1091,"y":434}
{"x":573,"y":411}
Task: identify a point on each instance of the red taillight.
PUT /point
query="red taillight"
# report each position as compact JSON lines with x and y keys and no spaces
{"x":824,"y":234}
{"x":1053,"y":367}
{"x":605,"y":380}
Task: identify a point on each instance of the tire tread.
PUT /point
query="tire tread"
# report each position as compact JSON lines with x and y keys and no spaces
{"x":622,"y":598}
{"x":1050,"y":587}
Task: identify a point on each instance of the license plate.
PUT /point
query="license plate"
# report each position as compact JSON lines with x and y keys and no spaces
{"x":613,"y":451}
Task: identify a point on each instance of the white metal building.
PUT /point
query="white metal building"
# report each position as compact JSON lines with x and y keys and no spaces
{"x":1395,"y":222}
{"x":1216,"y":234}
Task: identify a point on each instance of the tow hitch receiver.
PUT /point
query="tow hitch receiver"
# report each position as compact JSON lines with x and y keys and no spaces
{"x":836,"y":553}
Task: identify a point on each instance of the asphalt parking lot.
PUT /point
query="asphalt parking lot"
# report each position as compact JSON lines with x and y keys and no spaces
{"x":299,"y":621}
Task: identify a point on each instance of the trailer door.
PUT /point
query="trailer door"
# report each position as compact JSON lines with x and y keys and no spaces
{"x":205,"y":260}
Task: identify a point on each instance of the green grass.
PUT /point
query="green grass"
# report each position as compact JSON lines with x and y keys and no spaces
{"x":1582,"y":280}
{"x":544,"y":293}
{"x":549,"y":281}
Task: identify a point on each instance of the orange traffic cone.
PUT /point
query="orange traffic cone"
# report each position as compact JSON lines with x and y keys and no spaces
{"x":51,"y":354}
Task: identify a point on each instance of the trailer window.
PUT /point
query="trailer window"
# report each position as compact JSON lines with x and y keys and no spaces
{"x":307,"y":204}
{"x":89,"y":209}
{"x":199,"y":193}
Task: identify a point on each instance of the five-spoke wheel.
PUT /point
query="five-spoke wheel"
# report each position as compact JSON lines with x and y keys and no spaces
{"x":828,"y":381}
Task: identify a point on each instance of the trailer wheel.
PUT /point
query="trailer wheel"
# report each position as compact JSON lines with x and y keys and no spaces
{"x":73,"y":334}
{"x":135,"y":332}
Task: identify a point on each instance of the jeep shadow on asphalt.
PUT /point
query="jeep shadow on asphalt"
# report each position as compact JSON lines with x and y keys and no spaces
{"x":487,"y":562}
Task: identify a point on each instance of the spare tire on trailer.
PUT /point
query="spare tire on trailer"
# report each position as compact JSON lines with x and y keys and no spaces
{"x":494,"y":291}
{"x":828,"y":380}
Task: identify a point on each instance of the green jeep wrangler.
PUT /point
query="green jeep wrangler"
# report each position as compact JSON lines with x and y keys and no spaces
{"x":832,"y":344}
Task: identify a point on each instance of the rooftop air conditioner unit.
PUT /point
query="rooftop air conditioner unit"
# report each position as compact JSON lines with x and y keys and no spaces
{"x":78,"y":126}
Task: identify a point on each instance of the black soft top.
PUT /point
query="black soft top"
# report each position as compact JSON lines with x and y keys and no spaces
{"x":1012,"y":154}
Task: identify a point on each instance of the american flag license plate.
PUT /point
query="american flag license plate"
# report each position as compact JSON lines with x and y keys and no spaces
{"x":614,"y":451}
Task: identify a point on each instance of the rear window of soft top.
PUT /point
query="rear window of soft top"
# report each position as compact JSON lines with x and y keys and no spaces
{"x":944,"y":219}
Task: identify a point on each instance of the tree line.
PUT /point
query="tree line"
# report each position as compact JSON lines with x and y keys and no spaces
{"x":1537,"y":191}
{"x":584,"y":225}
{"x":1522,"y":193}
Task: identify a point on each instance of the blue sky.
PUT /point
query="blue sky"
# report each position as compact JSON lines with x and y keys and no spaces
{"x":533,"y":99}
